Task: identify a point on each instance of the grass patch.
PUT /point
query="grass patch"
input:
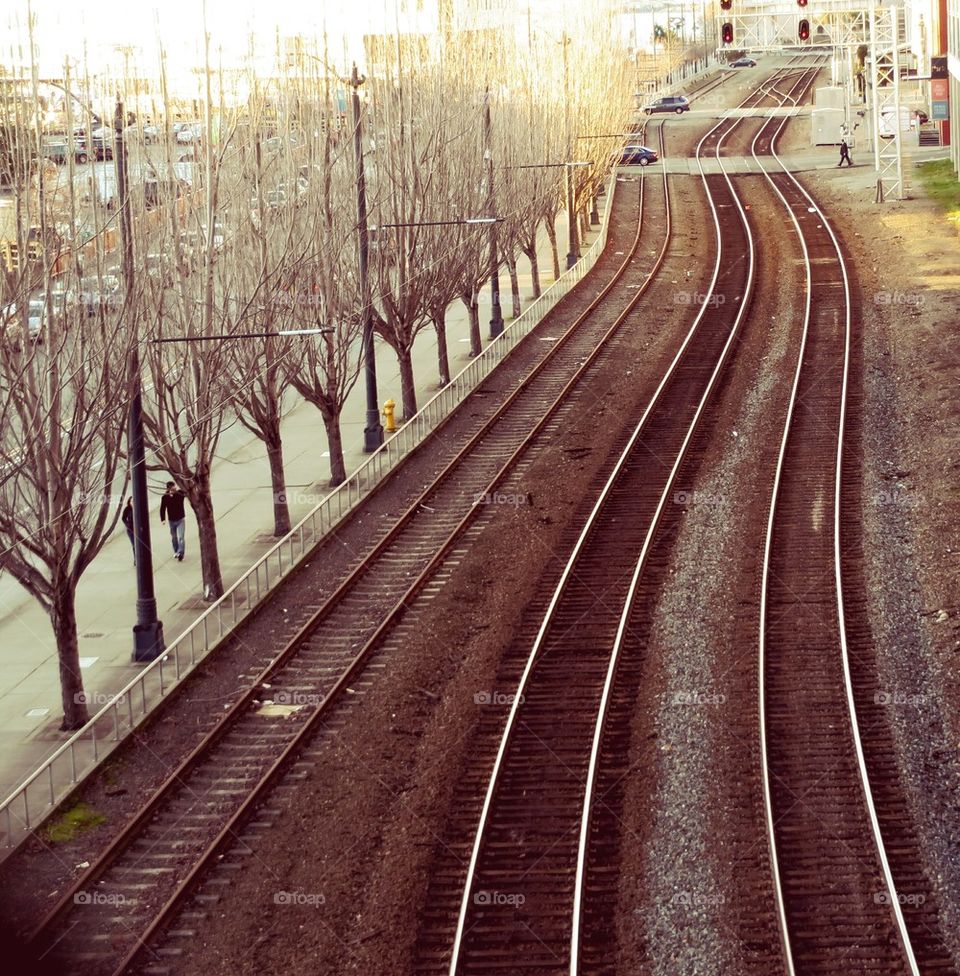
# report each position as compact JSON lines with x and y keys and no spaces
{"x":72,"y":822}
{"x":942,"y":186}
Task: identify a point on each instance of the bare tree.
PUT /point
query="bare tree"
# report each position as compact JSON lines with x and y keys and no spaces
{"x":63,"y":403}
{"x":191,"y":386}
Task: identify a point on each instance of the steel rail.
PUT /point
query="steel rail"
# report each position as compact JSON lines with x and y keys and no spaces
{"x":765,"y":766}
{"x":588,"y":803}
{"x":561,"y":586}
{"x":893,"y":897}
{"x":91,"y":874}
{"x":255,"y":796}
{"x":336,"y":692}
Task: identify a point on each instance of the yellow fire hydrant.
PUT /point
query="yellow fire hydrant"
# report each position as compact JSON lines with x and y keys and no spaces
{"x":390,"y":425}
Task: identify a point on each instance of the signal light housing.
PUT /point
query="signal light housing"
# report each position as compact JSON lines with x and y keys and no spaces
{"x":803,"y":30}
{"x":726,"y":32}
{"x":801,"y":3}
{"x":726,"y":4}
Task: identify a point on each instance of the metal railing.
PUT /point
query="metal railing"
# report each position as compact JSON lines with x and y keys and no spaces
{"x":26,"y":808}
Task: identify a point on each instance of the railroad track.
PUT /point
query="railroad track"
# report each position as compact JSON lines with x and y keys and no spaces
{"x":849,"y":884}
{"x":540,"y":875}
{"x":126,"y":898}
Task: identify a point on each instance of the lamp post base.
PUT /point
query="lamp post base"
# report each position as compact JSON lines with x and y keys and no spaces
{"x":372,"y":434}
{"x":572,"y":259}
{"x":496,"y":326}
{"x":148,"y":642}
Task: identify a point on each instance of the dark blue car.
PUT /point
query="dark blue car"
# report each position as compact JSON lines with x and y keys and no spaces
{"x":637,"y":155}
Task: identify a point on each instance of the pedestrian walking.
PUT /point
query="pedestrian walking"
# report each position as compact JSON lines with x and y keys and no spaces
{"x":172,"y":508}
{"x":844,"y":153}
{"x":126,"y":516}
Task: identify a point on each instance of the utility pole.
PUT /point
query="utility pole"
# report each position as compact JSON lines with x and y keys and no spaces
{"x":148,"y":630}
{"x":373,"y":431}
{"x":496,"y":313}
{"x":573,"y":248}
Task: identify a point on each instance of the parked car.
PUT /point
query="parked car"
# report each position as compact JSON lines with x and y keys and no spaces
{"x":99,"y":292}
{"x":10,"y":327}
{"x":159,"y":267}
{"x":101,"y":143}
{"x":58,"y":150}
{"x":141,"y":133}
{"x":190,"y":132}
{"x":193,"y":243}
{"x":669,"y":103}
{"x":638,"y":156}
{"x":275,"y":199}
{"x":293,"y":190}
{"x":156,"y":191}
{"x":219,"y":235}
{"x":38,"y":313}
{"x":743,"y":63}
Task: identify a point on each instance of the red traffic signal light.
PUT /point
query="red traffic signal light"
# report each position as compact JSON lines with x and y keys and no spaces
{"x":726,"y":4}
{"x":801,"y":3}
{"x":726,"y":32}
{"x":803,"y":31}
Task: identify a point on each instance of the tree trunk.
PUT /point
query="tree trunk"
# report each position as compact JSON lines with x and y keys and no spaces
{"x":439,"y":320}
{"x":63,"y":615}
{"x":511,"y":262}
{"x":338,"y":467}
{"x":469,"y":299}
{"x":278,"y":480}
{"x":554,"y":253}
{"x":408,"y":389}
{"x":209,"y":555}
{"x":531,"y":253}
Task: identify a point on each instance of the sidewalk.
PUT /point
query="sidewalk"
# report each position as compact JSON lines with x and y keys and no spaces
{"x":30,"y":708}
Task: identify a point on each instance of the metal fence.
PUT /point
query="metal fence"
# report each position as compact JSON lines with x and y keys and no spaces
{"x":121,"y":713}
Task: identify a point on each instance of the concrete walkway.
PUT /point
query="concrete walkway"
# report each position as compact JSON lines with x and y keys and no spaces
{"x":816,"y":158}
{"x":30,"y":708}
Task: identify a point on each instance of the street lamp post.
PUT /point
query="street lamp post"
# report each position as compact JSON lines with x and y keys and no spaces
{"x":573,"y":247}
{"x":373,"y":431}
{"x":496,"y":313}
{"x":148,"y":630}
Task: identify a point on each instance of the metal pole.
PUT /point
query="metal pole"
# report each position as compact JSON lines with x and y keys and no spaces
{"x":496,"y":313}
{"x":373,"y":431}
{"x":898,"y":128}
{"x":573,"y":255}
{"x":875,"y":83}
{"x":148,"y":630}
{"x":573,"y":251}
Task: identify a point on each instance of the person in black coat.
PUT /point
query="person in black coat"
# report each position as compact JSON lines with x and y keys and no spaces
{"x":126,"y":516}
{"x":172,"y":508}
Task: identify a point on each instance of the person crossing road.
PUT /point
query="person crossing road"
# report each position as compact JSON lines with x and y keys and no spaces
{"x":844,"y":153}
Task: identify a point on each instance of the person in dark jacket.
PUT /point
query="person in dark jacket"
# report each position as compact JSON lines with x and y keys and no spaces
{"x":126,"y":516}
{"x":844,"y":153}
{"x":172,"y":507}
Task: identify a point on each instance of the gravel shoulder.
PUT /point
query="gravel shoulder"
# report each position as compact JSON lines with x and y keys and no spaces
{"x":907,"y":257}
{"x":366,"y":829}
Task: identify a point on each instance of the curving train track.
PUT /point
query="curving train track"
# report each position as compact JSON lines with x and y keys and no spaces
{"x":534,"y":840}
{"x":111,"y":915}
{"x":540,"y":871}
{"x":848,"y":880}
